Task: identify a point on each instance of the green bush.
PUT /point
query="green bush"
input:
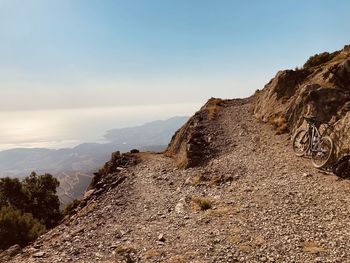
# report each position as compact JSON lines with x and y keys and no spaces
{"x":43,"y":202}
{"x":12,"y":193}
{"x":36,"y":194}
{"x":28,"y":207}
{"x":17,"y":227}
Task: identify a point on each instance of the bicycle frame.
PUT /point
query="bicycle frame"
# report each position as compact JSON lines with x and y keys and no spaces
{"x":313,"y":134}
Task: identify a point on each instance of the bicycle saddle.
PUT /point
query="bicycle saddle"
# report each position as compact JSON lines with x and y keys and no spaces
{"x":310,"y":119}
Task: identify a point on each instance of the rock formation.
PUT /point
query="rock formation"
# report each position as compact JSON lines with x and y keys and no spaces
{"x":190,"y":145}
{"x":282,"y":102}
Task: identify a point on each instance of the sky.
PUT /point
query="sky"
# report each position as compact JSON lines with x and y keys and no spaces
{"x":93,"y":55}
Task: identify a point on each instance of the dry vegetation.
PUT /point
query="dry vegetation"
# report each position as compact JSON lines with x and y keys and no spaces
{"x":213,"y":106}
{"x":201,"y":203}
{"x":279,"y":123}
{"x":319,"y":59}
{"x":312,"y":247}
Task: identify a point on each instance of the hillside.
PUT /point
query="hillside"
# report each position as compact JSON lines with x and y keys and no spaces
{"x":227,"y":189}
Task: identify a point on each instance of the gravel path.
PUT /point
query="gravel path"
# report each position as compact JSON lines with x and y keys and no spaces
{"x":262,"y":204}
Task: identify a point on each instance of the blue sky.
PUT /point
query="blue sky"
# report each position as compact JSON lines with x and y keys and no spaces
{"x":85,"y":54}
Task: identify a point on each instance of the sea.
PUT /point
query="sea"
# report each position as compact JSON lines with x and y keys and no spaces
{"x":63,"y":128}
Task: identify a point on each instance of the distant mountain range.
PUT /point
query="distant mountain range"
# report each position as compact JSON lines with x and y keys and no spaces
{"x":153,"y":133}
{"x":73,"y":165}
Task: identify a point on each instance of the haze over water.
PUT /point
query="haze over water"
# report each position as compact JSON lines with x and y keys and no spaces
{"x":69,"y":127}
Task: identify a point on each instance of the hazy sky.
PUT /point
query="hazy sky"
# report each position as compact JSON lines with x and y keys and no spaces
{"x":81,"y":54}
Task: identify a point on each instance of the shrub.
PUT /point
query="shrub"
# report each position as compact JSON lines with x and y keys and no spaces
{"x":43,"y":202}
{"x":319,"y":59}
{"x":279,"y":123}
{"x":213,"y":106}
{"x":202,"y":203}
{"x":36,"y":194}
{"x":27,"y":208}
{"x":17,"y":227}
{"x":11,"y":192}
{"x":199,"y":178}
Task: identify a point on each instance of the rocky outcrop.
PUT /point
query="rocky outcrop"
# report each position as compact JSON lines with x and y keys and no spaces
{"x":190,"y":144}
{"x":109,"y":176}
{"x":117,"y":162}
{"x":341,"y":133}
{"x":283,"y":101}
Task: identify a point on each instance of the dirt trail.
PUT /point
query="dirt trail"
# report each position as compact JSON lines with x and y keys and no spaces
{"x":266,"y":206}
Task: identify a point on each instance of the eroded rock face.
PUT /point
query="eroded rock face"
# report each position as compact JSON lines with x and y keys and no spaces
{"x":190,"y":144}
{"x":194,"y":144}
{"x":108,"y":175}
{"x":118,"y":161}
{"x":284,"y":98}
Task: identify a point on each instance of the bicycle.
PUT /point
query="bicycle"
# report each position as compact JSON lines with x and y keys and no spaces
{"x":310,"y":141}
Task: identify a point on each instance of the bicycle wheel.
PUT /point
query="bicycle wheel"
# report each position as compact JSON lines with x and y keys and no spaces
{"x":301,"y":142}
{"x":323,"y":153}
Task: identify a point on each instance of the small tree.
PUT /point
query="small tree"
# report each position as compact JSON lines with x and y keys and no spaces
{"x":11,"y":193}
{"x":27,"y":208}
{"x":17,"y":227}
{"x":43,"y":202}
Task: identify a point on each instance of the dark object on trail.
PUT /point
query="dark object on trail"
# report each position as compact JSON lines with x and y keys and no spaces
{"x":342,"y":167}
{"x":134,"y":151}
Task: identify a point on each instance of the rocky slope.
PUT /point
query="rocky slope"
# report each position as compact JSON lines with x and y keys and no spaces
{"x":283,"y":100}
{"x":252,"y":201}
{"x":243,"y":197}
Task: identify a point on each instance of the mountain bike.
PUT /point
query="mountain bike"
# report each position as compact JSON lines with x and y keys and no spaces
{"x":311,"y":142}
